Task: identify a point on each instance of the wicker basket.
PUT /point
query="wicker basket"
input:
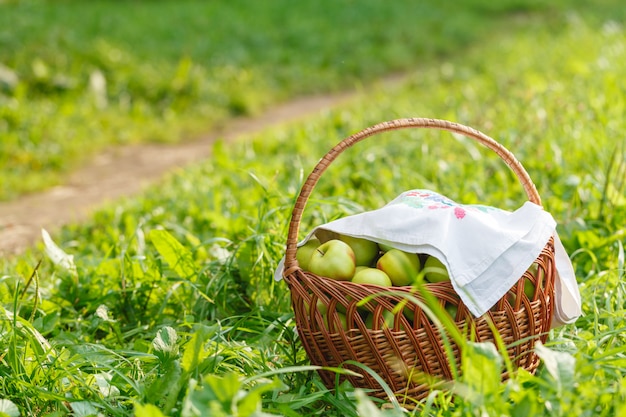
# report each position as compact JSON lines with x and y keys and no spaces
{"x":403,"y":354}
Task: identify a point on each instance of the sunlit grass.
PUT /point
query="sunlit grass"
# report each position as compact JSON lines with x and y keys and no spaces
{"x":77,"y":76}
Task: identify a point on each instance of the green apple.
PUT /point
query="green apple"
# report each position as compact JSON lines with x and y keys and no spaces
{"x":365,"y":251}
{"x":408,"y":311}
{"x":342,"y":320}
{"x":387,"y":320}
{"x":372,"y":276}
{"x":304,"y":252}
{"x":333,"y":259}
{"x":384,"y":247}
{"x":435,"y":270}
{"x":452,"y":309}
{"x":321,"y":307}
{"x":529,"y":289}
{"x":401,"y":267}
{"x":360,"y":268}
{"x":325,"y":235}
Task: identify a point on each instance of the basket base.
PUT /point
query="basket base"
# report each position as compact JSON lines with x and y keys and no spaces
{"x":408,"y":361}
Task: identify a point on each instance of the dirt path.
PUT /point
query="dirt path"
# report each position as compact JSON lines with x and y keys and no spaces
{"x":126,"y":171}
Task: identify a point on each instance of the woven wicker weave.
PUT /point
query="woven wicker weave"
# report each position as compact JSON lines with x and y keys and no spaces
{"x":404,"y":353}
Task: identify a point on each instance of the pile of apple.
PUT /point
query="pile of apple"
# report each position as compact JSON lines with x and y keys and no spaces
{"x":362,"y":261}
{"x":347,"y":258}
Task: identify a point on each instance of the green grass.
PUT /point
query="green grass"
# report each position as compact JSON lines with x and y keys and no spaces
{"x":168,"y":306}
{"x":77,"y":76}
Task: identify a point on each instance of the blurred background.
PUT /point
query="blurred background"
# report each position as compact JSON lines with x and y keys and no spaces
{"x":79,"y":76}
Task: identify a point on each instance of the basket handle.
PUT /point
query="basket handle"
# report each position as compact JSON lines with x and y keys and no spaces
{"x":292,"y":237}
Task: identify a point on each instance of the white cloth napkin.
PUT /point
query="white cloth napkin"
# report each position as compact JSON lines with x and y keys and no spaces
{"x":485,"y":249}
